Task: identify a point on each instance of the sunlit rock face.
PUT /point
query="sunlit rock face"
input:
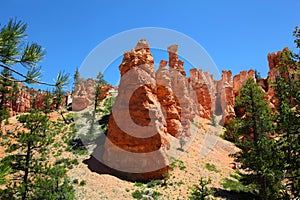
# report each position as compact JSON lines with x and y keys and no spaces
{"x":205,"y":89}
{"x":152,"y":106}
{"x":225,"y":89}
{"x":137,"y":140}
{"x":213,"y":97}
{"x":84,"y":94}
{"x":23,"y":99}
{"x":183,"y":92}
{"x":167,"y":99}
{"x":240,"y":79}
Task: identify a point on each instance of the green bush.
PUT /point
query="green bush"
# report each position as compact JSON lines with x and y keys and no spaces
{"x":181,"y":165}
{"x":177,"y":163}
{"x":235,"y":184}
{"x":75,"y":181}
{"x":146,"y":194}
{"x":139,"y":184}
{"x":154,"y":183}
{"x":211,"y":167}
{"x":82,"y":183}
{"x":201,"y":191}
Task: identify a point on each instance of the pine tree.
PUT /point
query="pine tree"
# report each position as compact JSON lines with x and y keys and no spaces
{"x":23,"y":150}
{"x":61,"y":81}
{"x":258,"y":153}
{"x":47,"y":102}
{"x":16,"y":53}
{"x":26,"y":169}
{"x":77,"y":79}
{"x":32,"y":176}
{"x":287,"y":91}
{"x":4,"y":171}
{"x":257,"y":75}
{"x":98,"y":92}
{"x":53,"y":185}
{"x":7,"y":88}
{"x":13,"y":53}
{"x":98,"y":97}
{"x":213,"y":120}
{"x":201,"y":191}
{"x":232,"y":130}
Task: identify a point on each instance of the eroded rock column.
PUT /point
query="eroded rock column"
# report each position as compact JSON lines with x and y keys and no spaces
{"x":137,"y":140}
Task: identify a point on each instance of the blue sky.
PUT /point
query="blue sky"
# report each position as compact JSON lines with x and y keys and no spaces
{"x":237,"y":35}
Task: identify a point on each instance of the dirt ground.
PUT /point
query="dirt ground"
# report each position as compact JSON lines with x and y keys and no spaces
{"x":205,"y":147}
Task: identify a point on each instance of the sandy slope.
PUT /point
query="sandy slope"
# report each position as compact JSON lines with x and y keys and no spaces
{"x":205,"y":147}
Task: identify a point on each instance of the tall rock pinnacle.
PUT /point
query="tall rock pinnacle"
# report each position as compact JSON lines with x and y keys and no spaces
{"x":137,"y":136}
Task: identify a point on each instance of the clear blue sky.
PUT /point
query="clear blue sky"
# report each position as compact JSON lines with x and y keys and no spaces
{"x":236,"y":34}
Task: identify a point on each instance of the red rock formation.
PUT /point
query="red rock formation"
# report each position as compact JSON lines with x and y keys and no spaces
{"x":137,"y":136}
{"x":225,"y":89}
{"x":273,"y":60}
{"x":274,"y":66}
{"x":240,"y":79}
{"x":83,"y":94}
{"x":213,"y":97}
{"x":23,"y":99}
{"x":168,"y":101}
{"x":204,"y":87}
{"x":174,"y":62}
{"x":185,"y":97}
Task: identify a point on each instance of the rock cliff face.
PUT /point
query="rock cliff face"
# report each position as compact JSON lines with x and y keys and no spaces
{"x":179,"y":97}
{"x":150,"y":105}
{"x":174,"y":62}
{"x":84,"y":91}
{"x":213,"y":97}
{"x":168,"y":101}
{"x":23,"y":100}
{"x":184,"y":95}
{"x":274,"y":64}
{"x":273,"y":60}
{"x":205,"y":89}
{"x":225,"y":89}
{"x":137,"y":140}
{"x":240,"y":79}
{"x":26,"y":98}
{"x":218,"y":97}
{"x":83,"y":94}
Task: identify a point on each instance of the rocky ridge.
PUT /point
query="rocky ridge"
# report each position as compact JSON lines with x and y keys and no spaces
{"x":23,"y":99}
{"x":153,"y":105}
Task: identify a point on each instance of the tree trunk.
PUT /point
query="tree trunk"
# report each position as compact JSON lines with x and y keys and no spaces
{"x":26,"y":170}
{"x":92,"y":122}
{"x":62,"y":115}
{"x":263,"y":187}
{"x":94,"y":114}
